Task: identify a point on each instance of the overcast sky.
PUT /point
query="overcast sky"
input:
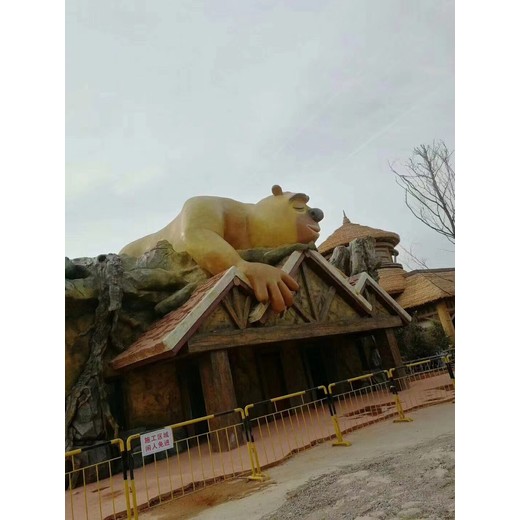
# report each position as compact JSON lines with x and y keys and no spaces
{"x":167,"y":99}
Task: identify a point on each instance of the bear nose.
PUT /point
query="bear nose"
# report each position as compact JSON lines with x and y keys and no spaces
{"x":316,"y":214}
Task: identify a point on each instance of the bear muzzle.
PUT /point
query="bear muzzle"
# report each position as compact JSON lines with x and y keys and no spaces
{"x":316,"y":214}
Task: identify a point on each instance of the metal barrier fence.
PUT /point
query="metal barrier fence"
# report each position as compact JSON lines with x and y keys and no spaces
{"x":94,"y":491}
{"x":293,"y":422}
{"x":362,"y":400}
{"x":240,"y":443}
{"x":192,"y":463}
{"x":425,"y":382}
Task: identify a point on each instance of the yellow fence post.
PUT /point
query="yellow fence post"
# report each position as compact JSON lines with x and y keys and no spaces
{"x":251,"y":448}
{"x":332,"y":409}
{"x":124,"y":460}
{"x":131,"y":474}
{"x":398,"y":405}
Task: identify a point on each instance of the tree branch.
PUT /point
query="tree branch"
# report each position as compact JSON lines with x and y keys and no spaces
{"x":429,"y":186}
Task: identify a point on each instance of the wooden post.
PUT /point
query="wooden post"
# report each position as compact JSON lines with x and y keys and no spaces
{"x":389,"y":351}
{"x":447,"y":324}
{"x":394,"y":347}
{"x":219,"y":396}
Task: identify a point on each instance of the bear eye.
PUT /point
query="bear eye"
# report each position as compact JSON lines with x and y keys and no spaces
{"x":300,"y":209}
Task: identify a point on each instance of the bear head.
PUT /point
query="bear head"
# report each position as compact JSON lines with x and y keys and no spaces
{"x":287,"y":219}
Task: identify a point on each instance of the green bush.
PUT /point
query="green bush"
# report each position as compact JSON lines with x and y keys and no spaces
{"x":417,"y":342}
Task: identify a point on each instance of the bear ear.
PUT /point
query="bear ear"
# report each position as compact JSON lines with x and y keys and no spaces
{"x":277,"y":190}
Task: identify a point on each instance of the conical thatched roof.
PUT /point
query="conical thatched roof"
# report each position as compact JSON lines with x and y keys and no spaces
{"x":349,"y":231}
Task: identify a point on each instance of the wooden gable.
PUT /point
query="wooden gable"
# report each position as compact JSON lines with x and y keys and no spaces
{"x":326,"y":304}
{"x":232,"y":311}
{"x":223,"y":313}
{"x":319,"y":300}
{"x":382,"y":303}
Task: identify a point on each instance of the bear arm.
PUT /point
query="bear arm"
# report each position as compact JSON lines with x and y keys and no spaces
{"x":203,"y":231}
{"x":210,"y":250}
{"x":213,"y":253}
{"x":202,"y":234}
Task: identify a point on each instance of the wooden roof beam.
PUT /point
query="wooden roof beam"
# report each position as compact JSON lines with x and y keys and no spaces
{"x":262,"y":335}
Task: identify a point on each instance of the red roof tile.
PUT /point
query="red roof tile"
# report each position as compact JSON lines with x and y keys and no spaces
{"x":150,"y":344}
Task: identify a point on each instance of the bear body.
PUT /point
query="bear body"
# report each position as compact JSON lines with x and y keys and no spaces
{"x":212,"y":229}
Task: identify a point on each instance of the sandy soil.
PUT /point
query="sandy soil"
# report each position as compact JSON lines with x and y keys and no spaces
{"x":391,"y":472}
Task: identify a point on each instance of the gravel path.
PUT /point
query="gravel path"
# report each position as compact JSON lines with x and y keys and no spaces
{"x":417,"y":483}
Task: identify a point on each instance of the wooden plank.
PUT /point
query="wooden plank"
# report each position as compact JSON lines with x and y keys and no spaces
{"x":302,"y":313}
{"x":365,"y":279}
{"x":327,"y":303}
{"x":260,"y":335}
{"x":245,"y":311}
{"x":176,"y":338}
{"x":231,"y":311}
{"x":394,"y":347}
{"x":236,"y":299}
{"x":258,"y":311}
{"x":305,"y":279}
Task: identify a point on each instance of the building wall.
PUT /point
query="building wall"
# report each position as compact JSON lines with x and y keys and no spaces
{"x":158,"y":395}
{"x":152,"y":396}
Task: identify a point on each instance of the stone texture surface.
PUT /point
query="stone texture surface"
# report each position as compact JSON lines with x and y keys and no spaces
{"x":415,"y":484}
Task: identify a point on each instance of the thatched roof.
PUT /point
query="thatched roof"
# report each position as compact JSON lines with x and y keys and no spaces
{"x":349,"y":231}
{"x":427,"y":286}
{"x":392,"y":280}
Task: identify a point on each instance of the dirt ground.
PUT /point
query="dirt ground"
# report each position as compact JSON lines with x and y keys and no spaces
{"x":402,"y":471}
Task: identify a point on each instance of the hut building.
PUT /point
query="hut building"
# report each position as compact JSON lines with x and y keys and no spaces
{"x":222,"y":349}
{"x":428,"y":293}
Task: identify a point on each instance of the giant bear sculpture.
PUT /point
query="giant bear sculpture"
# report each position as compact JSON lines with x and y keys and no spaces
{"x":212,"y":229}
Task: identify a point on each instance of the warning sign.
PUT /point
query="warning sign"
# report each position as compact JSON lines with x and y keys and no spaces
{"x":154,"y":442}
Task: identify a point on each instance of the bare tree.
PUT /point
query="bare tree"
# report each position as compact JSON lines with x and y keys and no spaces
{"x":429,"y":185}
